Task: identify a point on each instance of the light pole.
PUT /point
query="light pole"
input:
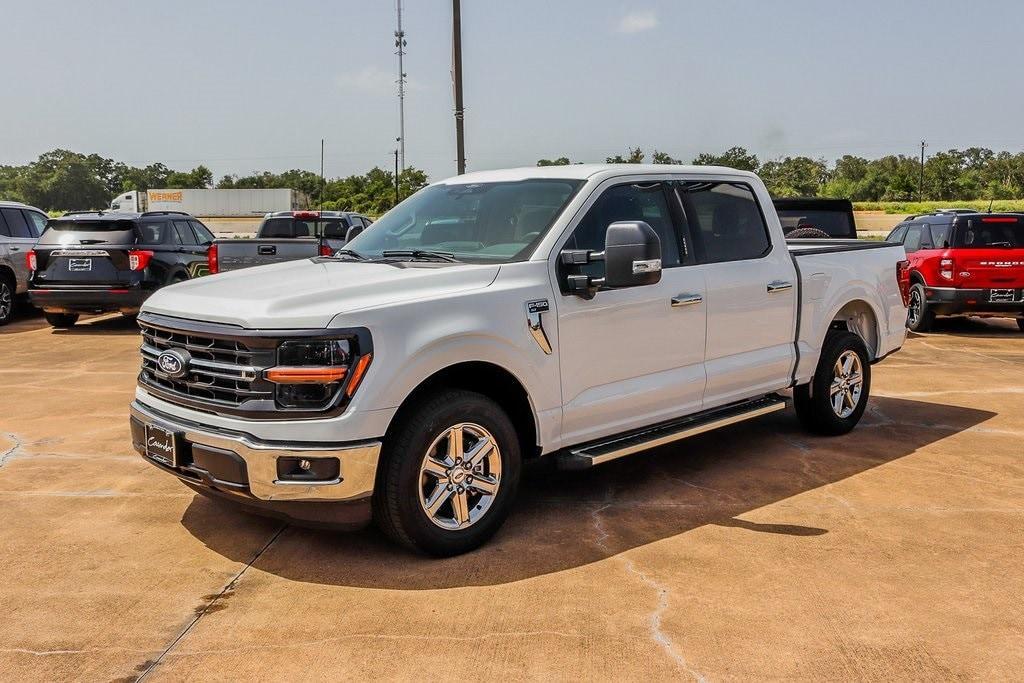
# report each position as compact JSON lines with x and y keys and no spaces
{"x":460,"y":141}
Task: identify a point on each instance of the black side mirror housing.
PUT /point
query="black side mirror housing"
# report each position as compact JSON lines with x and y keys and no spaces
{"x":632,"y":255}
{"x":353,"y":232}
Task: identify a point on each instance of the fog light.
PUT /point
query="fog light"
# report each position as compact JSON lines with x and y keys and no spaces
{"x":308,"y":469}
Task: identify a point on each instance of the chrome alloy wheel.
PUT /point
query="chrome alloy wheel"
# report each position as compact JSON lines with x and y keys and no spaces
{"x":847,"y":384}
{"x":914,"y":309}
{"x":459,"y":476}
{"x":6,"y":300}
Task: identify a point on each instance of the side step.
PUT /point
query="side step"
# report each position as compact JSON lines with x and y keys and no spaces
{"x":595,"y":453}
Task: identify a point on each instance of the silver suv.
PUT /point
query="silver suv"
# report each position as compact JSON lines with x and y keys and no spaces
{"x":20,"y":227}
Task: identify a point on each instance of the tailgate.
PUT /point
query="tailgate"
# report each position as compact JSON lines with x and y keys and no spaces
{"x":245,"y":253}
{"x":989,"y":252}
{"x":83,"y":266}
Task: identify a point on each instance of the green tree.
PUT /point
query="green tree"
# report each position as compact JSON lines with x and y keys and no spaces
{"x":794,"y":176}
{"x":734,"y":157}
{"x":634,"y":156}
{"x":560,"y":161}
{"x":663,"y":158}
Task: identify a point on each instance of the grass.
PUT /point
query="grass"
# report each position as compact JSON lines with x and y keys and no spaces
{"x":924,"y":207}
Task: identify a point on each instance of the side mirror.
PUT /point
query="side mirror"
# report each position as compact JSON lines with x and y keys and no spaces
{"x":353,"y":232}
{"x":632,"y":255}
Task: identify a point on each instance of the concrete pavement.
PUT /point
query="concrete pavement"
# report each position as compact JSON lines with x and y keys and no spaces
{"x":756,"y":552}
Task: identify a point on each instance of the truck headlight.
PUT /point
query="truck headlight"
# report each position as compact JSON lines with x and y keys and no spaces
{"x":311,"y":374}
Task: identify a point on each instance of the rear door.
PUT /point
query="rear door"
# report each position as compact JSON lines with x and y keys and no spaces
{"x":21,"y":235}
{"x":751,"y":291}
{"x":991,"y":250}
{"x":91,"y":253}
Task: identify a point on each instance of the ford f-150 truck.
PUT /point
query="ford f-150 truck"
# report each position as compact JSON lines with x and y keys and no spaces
{"x":288,"y":236}
{"x":578,"y":313}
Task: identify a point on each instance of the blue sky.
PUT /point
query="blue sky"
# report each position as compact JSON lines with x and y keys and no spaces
{"x":244,"y":86}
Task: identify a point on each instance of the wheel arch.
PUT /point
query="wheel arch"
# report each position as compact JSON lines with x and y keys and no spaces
{"x":491,"y":380}
{"x":859,"y":316}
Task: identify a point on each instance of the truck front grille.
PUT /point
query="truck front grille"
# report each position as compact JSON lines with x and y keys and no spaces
{"x":221,"y":372}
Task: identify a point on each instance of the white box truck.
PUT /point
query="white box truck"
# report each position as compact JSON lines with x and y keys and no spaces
{"x":227,"y":202}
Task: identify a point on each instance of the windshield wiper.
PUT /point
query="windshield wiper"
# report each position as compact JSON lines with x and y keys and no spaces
{"x":420,"y":254}
{"x":348,"y":252}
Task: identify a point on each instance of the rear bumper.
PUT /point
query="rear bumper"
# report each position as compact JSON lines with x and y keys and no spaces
{"x":241,"y":468}
{"x":954,"y":301}
{"x":88,"y":300}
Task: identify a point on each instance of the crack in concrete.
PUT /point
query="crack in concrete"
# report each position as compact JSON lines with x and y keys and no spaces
{"x":11,"y":452}
{"x":658,"y":634}
{"x":209,"y":606}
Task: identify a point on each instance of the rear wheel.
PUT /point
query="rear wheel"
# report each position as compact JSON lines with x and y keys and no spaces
{"x":836,"y":397}
{"x":1020,"y":324}
{"x":61,"y":320}
{"x":6,"y":299}
{"x":919,"y":316}
{"x":449,"y":473}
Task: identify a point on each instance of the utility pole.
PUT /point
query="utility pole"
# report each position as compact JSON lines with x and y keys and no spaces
{"x":460,"y":141}
{"x":920,"y":188}
{"x":400,"y":51}
{"x":321,"y":174}
{"x":396,"y":176}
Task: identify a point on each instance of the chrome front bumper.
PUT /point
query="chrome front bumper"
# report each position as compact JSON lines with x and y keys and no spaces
{"x":355,"y":481}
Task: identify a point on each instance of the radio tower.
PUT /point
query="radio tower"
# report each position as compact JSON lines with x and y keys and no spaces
{"x":400,"y":51}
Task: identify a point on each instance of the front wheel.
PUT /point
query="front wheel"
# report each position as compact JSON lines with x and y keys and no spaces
{"x":836,"y":397}
{"x":6,"y":300}
{"x":61,"y":320}
{"x":448,"y":474}
{"x":919,"y":316}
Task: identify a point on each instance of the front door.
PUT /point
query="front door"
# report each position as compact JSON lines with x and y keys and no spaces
{"x":634,"y":356}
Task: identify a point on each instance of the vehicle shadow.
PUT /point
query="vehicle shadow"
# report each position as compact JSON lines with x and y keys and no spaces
{"x":115,"y":324}
{"x":564,"y":520}
{"x":975,"y":328}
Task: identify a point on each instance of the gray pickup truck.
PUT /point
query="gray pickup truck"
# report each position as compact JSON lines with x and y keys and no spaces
{"x":288,"y":236}
{"x":20,"y":227}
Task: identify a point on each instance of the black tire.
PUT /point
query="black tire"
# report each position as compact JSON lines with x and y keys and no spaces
{"x":7,"y":299}
{"x":806,"y":233}
{"x":61,"y":320}
{"x":1020,"y":324}
{"x":397,"y":506}
{"x":813,"y":401}
{"x":919,"y":316}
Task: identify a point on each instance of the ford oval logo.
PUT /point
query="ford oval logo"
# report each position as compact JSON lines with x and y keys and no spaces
{"x":173,"y":363}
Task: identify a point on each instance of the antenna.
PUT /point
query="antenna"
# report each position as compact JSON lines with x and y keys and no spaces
{"x":400,"y":51}
{"x":991,"y":199}
{"x":321,"y":175}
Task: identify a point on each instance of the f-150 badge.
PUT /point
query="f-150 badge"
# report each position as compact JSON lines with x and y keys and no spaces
{"x":535,"y":324}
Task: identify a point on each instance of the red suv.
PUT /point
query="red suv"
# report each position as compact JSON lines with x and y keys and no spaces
{"x":963,"y":263}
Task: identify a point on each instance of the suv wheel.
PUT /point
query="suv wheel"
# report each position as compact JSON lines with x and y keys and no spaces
{"x":919,"y":317}
{"x":61,"y":320}
{"x":6,"y":300}
{"x":1020,"y":324}
{"x":836,"y":397}
{"x":448,"y":475}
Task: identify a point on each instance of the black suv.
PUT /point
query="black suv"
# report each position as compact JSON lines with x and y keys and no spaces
{"x":97,"y":261}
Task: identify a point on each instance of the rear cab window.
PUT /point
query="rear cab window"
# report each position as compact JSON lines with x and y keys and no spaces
{"x":105,"y":231}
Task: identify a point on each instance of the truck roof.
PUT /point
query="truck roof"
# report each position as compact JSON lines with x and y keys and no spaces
{"x":585,"y":172}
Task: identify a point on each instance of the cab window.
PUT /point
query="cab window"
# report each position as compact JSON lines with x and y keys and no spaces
{"x":725,"y":220}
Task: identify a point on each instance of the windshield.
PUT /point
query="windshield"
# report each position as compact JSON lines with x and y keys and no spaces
{"x":991,"y":231}
{"x":835,"y":223}
{"x":481,"y":222}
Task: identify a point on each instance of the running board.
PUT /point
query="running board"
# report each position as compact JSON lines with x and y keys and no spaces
{"x":583,"y":457}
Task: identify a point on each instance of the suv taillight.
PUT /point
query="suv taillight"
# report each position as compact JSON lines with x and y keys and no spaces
{"x":138,"y":259}
{"x":946,"y":267}
{"x":903,"y":280}
{"x":31,"y":262}
{"x":211,"y":259}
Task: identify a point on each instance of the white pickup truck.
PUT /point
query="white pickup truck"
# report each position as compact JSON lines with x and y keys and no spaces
{"x":580,"y":313}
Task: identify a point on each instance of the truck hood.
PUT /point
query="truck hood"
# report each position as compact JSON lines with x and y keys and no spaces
{"x":307,"y":294}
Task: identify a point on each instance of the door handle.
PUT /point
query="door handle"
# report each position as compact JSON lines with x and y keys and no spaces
{"x":779,"y":286}
{"x":14,"y":248}
{"x":267,"y":250}
{"x":680,"y":300}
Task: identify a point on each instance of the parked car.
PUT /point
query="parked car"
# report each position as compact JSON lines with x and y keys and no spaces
{"x":20,"y":227}
{"x":97,"y":261}
{"x":816,"y":217}
{"x":963,"y":263}
{"x":579,"y":313}
{"x":288,"y":236}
